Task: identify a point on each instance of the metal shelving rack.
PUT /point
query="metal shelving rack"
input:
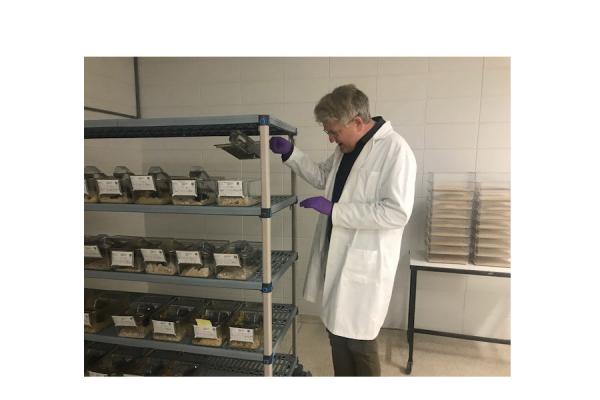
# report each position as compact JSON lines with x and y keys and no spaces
{"x":275,"y":264}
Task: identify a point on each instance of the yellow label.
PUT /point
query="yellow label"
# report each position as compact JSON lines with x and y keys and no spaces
{"x":204,"y":323}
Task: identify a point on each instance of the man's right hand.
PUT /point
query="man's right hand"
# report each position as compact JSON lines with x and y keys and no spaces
{"x":279,"y":145}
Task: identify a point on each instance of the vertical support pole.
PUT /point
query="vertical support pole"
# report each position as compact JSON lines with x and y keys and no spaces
{"x":411,"y":316}
{"x":263,"y":129}
{"x":294,"y":249}
{"x":136,"y":76}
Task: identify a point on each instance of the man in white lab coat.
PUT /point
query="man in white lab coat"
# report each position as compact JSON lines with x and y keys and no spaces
{"x":369,"y":184}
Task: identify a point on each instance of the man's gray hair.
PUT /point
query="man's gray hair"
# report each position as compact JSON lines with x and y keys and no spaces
{"x":343,"y":104}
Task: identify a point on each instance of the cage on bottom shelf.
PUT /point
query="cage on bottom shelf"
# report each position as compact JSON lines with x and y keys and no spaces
{"x":93,"y":352}
{"x":174,"y":321}
{"x":178,"y":364}
{"x":246,"y":327}
{"x":99,"y":307}
{"x":238,"y":260}
{"x":113,"y":363}
{"x":157,"y":256}
{"x":136,"y":321}
{"x":146,"y":366}
{"x":211,"y":322}
{"x":195,"y":257}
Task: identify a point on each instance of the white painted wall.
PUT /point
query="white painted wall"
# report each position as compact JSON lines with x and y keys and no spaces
{"x":454,"y":112}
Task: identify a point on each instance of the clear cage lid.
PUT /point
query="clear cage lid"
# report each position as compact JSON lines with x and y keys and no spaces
{"x":157,"y":173}
{"x":197,"y":171}
{"x":90,"y":171}
{"x":121,"y":171}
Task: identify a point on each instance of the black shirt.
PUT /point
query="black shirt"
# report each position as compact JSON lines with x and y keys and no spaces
{"x":346,"y":166}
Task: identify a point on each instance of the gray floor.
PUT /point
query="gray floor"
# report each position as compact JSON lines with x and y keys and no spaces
{"x":433,"y":355}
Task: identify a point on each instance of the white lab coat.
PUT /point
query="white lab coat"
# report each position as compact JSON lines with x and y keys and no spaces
{"x":354,"y":280}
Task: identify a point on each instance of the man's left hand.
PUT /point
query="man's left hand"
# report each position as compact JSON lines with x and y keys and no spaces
{"x":319,"y":203}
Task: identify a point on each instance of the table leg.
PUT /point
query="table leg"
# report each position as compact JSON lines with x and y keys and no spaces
{"x":411,"y":317}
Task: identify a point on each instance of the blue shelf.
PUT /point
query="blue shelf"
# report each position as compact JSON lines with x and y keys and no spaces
{"x":183,"y":127}
{"x":283,"y":315}
{"x":278,"y":203}
{"x":281,"y":261}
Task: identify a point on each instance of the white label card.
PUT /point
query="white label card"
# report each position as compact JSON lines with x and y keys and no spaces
{"x":91,"y":251}
{"x":122,"y":258}
{"x":184,"y":187}
{"x":188,"y":257}
{"x":231,"y":188}
{"x":168,"y":328}
{"x":205,"y":332}
{"x":153,"y":255}
{"x":142,"y":182}
{"x":92,"y":373}
{"x":109,"y":186}
{"x":241,"y":334}
{"x":226,"y":260}
{"x":121,"y":320}
{"x":86,"y":319}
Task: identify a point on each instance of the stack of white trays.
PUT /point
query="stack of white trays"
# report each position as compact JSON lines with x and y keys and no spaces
{"x":491,"y":239}
{"x":450,"y":216}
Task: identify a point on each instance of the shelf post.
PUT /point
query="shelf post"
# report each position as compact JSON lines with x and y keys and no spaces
{"x":263,"y":129}
{"x":294,"y":249}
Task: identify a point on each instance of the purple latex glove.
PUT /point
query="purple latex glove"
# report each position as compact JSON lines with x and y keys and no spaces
{"x":319,"y":203}
{"x":279,"y":145}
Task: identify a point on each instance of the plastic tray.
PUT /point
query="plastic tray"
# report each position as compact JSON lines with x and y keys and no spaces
{"x":449,"y":232}
{"x":451,"y":214}
{"x":441,"y":195}
{"x":492,"y":261}
{"x":492,"y":252}
{"x":449,"y":259}
{"x":492,"y":243}
{"x":447,"y":241}
{"x":436,"y":222}
{"x":448,"y":250}
{"x":451,"y":204}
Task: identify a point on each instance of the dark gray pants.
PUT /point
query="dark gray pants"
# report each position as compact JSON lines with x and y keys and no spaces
{"x":352,"y":357}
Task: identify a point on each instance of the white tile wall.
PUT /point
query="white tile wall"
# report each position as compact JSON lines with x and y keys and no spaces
{"x":496,"y":82}
{"x":495,"y":109}
{"x":454,"y":112}
{"x":402,"y":112}
{"x":306,"y":67}
{"x":461,"y":83}
{"x":352,"y":67}
{"x":494,"y":135}
{"x":451,"y":136}
{"x":464,"y":109}
{"x":400,"y":87}
{"x":457,"y":160}
{"x":493,"y":160}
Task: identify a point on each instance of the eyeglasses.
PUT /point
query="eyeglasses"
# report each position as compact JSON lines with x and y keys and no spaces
{"x":330,"y":133}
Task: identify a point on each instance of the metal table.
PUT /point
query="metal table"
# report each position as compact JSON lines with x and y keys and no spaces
{"x":418,"y":263}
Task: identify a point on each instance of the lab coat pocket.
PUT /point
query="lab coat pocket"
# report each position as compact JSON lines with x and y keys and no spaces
{"x":360,"y":265}
{"x":369,"y":184}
